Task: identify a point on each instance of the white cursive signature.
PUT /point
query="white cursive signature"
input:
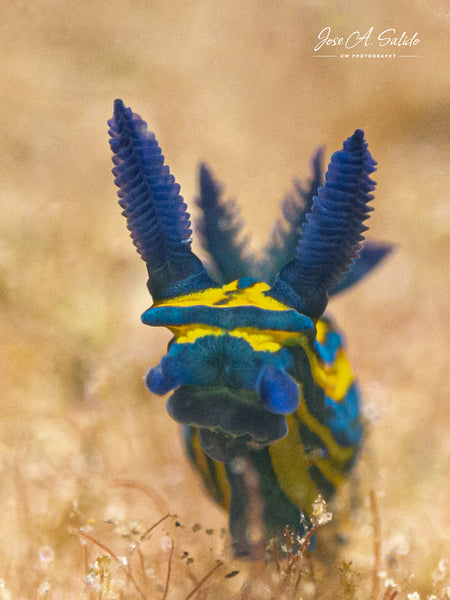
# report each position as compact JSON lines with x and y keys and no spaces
{"x":388,"y":37}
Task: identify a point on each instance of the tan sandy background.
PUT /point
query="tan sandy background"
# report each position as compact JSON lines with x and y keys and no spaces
{"x":82,"y":443}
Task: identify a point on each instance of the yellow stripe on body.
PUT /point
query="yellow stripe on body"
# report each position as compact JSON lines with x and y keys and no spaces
{"x":337,"y":453}
{"x":291,"y":466}
{"x":259,"y":339}
{"x":324,"y":465}
{"x":335,"y":379}
{"x":339,"y":377}
{"x":291,"y":463}
{"x":322,"y":329}
{"x":224,"y":486}
{"x":289,"y":459}
{"x":220,"y":482}
{"x":229,"y":295}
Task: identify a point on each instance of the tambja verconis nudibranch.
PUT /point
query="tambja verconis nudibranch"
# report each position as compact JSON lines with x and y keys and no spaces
{"x":256,"y":371}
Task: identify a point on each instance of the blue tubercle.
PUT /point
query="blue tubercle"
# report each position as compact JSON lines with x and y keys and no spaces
{"x":278,"y":391}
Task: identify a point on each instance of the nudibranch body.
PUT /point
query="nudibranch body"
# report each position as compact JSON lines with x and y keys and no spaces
{"x":256,"y":370}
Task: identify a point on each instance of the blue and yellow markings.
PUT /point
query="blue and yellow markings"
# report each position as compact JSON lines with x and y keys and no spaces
{"x":301,"y":474}
{"x":242,"y":292}
{"x":241,"y":309}
{"x":273,"y":325}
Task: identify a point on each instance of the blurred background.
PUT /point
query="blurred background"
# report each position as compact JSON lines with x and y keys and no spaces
{"x":237,"y":84}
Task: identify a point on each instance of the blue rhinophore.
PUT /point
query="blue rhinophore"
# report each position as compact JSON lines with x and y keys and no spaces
{"x":330,"y":238}
{"x":155,"y":211}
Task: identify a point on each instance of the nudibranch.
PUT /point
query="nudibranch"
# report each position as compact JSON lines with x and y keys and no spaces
{"x":255,"y":369}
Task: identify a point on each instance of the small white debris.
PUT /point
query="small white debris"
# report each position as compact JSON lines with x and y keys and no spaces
{"x":46,"y":554}
{"x":320,"y":515}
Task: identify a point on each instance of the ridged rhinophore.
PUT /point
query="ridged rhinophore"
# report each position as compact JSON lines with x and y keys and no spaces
{"x":156,"y":213}
{"x":330,"y":239}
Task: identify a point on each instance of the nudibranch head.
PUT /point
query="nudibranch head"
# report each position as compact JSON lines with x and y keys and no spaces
{"x":229,"y":364}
